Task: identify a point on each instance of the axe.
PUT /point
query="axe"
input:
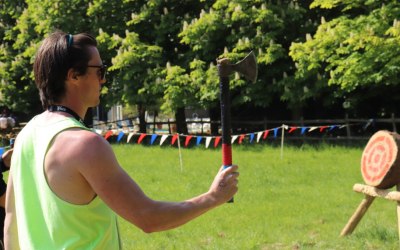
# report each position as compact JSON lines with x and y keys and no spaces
{"x":248,"y":68}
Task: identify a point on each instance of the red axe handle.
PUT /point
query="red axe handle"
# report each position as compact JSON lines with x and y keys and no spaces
{"x":226,"y":123}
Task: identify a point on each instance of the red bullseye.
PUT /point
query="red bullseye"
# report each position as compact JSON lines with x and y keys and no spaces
{"x":378,"y":160}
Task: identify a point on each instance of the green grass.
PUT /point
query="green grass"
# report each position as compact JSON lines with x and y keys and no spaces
{"x":299,"y":202}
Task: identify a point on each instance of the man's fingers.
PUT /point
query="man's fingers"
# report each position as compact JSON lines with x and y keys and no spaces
{"x":230,"y":170}
{"x":232,"y":177}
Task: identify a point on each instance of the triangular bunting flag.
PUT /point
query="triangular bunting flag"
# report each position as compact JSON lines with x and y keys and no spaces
{"x":322,"y":128}
{"x":208,"y":140}
{"x":332,"y":127}
{"x":266,"y":132}
{"x":241,"y":138}
{"x":198,"y":140}
{"x":163,"y":138}
{"x":292,"y":129}
{"x":153,"y":138}
{"x":251,"y":137}
{"x":120,"y":135}
{"x":108,"y":134}
{"x":141,"y":137}
{"x":129,"y":137}
{"x":188,"y":140}
{"x":276,"y":132}
{"x":217,"y":139}
{"x":259,"y":134}
{"x":303,"y":130}
{"x":174,"y":139}
{"x":312,"y":128}
{"x":234,"y":139}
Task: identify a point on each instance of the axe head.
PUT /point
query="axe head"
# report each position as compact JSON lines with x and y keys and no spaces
{"x":247,"y":67}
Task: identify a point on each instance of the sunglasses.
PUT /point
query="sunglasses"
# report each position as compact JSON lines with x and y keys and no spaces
{"x":102,"y":71}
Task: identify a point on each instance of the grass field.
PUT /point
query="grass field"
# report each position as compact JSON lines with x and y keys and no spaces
{"x":299,"y":202}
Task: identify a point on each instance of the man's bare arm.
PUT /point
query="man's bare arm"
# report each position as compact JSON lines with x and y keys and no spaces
{"x":111,"y":183}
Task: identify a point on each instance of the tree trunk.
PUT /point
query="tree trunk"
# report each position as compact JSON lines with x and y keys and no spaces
{"x":297,"y":112}
{"x":142,"y":120}
{"x":180,"y":118}
{"x":215,"y":115}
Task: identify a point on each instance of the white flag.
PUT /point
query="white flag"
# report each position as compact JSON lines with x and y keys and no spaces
{"x":208,"y":140}
{"x":259,"y":134}
{"x":163,"y":138}
{"x":312,"y":128}
{"x":234,"y":139}
{"x":129,"y":137}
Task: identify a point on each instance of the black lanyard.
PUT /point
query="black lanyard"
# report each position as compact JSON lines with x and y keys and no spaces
{"x":60,"y":108}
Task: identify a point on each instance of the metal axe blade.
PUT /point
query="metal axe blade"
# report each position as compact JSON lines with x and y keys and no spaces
{"x":247,"y":67}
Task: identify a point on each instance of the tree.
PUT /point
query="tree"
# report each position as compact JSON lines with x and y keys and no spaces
{"x":232,"y":28}
{"x":28,"y":22}
{"x":149,"y":43}
{"x":358,"y":52}
{"x":14,"y":73}
{"x":133,"y":82}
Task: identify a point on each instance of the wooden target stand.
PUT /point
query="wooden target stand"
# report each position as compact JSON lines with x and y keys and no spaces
{"x":380,"y":168}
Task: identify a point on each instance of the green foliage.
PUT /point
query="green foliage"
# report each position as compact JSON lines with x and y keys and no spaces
{"x":177,"y":91}
{"x":301,"y":56}
{"x":132,"y":81}
{"x":357,"y":50}
{"x":233,"y":28}
{"x":146,"y":44}
{"x":28,"y":22}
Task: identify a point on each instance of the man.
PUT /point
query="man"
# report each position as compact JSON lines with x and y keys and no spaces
{"x":65,"y":182}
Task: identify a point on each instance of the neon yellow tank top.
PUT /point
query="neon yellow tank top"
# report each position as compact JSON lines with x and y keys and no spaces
{"x":44,"y":220}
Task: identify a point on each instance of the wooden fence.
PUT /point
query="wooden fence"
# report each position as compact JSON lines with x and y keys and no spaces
{"x":345,"y":129}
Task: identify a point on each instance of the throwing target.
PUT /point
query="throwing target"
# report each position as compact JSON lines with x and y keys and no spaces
{"x":379,"y":165}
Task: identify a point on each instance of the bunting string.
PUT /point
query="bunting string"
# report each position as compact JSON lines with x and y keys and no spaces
{"x":257,"y":136}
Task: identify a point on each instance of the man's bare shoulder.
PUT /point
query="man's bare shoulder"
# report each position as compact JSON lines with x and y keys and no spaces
{"x":82,"y":145}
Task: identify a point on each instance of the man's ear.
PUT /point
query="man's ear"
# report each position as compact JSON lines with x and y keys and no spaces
{"x":72,"y":74}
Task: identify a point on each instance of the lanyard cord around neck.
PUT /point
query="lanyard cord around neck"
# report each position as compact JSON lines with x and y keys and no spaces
{"x":60,"y":108}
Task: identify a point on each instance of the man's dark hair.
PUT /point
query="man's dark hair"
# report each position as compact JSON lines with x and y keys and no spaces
{"x":58,"y":53}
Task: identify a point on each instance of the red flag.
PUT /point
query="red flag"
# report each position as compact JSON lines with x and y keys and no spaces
{"x":292,"y":129}
{"x":108,"y":134}
{"x":174,"y":139}
{"x":141,"y":137}
{"x":265,"y":134}
{"x":217,"y":139}
{"x":321,"y":129}
{"x":188,"y":140}
{"x":241,"y":138}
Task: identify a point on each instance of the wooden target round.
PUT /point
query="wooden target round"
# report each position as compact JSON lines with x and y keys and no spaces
{"x":379,"y":165}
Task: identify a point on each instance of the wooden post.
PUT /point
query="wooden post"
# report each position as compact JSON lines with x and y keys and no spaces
{"x":394,"y":123}
{"x":202,"y":126}
{"x":370,"y":194}
{"x":265,"y":123}
{"x":357,"y":216}
{"x":154,"y":123}
{"x":348,"y":127}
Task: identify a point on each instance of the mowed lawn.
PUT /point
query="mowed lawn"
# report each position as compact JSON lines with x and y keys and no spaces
{"x":300,"y":201}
